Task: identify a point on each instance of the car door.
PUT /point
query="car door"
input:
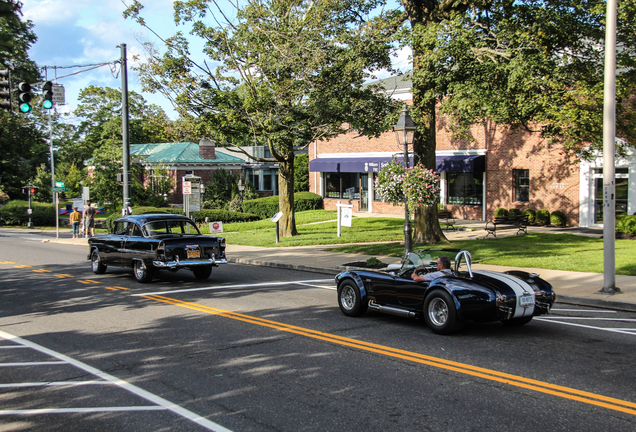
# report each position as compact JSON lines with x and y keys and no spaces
{"x":408,"y":292}
{"x":115,"y":243}
{"x":135,"y":246}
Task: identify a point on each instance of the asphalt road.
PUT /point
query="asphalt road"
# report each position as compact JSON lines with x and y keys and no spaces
{"x":260,"y":349}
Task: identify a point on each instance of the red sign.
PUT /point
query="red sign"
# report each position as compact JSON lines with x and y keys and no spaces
{"x":216,"y":225}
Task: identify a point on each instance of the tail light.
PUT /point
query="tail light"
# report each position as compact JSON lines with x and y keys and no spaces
{"x":222,"y":244}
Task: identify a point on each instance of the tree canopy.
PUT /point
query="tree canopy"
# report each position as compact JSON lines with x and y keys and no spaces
{"x":282,"y":73}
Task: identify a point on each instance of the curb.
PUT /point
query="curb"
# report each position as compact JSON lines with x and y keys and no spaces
{"x":579,"y":301}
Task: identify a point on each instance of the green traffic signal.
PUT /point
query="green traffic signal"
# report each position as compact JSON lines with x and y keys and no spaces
{"x":47,"y":104}
{"x":24,"y":96}
{"x":25,"y":108}
{"x":47,"y":95}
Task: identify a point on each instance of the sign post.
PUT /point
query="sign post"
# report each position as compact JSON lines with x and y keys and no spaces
{"x":276,"y":218}
{"x":345,"y":215}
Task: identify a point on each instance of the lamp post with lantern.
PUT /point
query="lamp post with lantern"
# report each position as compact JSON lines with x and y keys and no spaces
{"x":241,"y":188}
{"x":404,"y":132}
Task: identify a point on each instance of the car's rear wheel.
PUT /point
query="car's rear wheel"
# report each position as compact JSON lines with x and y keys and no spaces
{"x":517,"y":322}
{"x":440,"y":313}
{"x":142,"y":273}
{"x":350,"y":300}
{"x":96,"y":263}
{"x":202,"y":272}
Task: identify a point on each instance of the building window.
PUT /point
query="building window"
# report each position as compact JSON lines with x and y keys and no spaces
{"x":522,"y":185}
{"x":465,"y":188}
{"x":342,"y":185}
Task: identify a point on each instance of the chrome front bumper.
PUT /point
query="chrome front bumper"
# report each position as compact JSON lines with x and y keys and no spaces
{"x":176,"y":264}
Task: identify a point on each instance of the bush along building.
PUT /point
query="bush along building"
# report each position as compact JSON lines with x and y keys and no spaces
{"x":499,"y":168}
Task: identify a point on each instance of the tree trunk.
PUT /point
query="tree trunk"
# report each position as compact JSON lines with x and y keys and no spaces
{"x":427,"y":228}
{"x":287,"y":223}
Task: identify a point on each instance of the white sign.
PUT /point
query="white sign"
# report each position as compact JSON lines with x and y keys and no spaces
{"x":59,"y":184}
{"x":85,"y":193}
{"x":216,"y":227}
{"x":347,"y":216}
{"x":58,"y":94}
{"x":276,"y":217}
{"x":187,"y":188}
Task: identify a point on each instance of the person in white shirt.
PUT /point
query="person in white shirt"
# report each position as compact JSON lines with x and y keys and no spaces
{"x":443,"y":269}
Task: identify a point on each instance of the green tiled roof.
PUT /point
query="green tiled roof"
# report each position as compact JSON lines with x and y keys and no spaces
{"x":181,"y":152}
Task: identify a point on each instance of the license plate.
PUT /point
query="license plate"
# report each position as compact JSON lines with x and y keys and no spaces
{"x":527,"y":300}
{"x":194,"y":254}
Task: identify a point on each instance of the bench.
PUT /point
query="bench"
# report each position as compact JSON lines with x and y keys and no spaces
{"x":446,"y":217}
{"x":520,"y":222}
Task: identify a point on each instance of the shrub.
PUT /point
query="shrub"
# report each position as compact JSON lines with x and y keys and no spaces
{"x":267,"y":207}
{"x":514,"y":212}
{"x":15,"y":213}
{"x":531,"y":214}
{"x":224,"y":216}
{"x":626,"y":224}
{"x":543,"y":217}
{"x":501,"y":212}
{"x":557,"y":218}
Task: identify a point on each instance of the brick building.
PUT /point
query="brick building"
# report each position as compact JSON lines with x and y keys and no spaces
{"x":499,"y":168}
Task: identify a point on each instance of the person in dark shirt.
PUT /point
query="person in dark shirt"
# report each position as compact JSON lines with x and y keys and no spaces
{"x":90,"y":220}
{"x":443,"y":269}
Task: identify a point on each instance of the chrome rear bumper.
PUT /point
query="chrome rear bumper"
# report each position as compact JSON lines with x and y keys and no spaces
{"x":188,"y":263}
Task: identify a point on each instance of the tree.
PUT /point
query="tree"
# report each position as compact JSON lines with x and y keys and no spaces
{"x":530,"y":64}
{"x":286,"y":73}
{"x":301,"y":173}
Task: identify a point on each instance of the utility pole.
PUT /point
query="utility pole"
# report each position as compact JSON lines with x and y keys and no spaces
{"x":609,"y":149}
{"x":124,"y":126}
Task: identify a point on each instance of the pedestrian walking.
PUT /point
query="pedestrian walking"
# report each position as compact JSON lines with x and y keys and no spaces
{"x":90,"y":220}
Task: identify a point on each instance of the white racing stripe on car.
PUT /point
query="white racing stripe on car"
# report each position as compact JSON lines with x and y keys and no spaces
{"x":518,"y":286}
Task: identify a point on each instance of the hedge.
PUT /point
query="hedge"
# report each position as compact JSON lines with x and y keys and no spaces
{"x":543,"y":217}
{"x":557,"y":218}
{"x":626,"y":224}
{"x":501,"y":212}
{"x":199,"y":217}
{"x":531,"y":214}
{"x":514,"y":212}
{"x":267,"y":207}
{"x":15,"y":213}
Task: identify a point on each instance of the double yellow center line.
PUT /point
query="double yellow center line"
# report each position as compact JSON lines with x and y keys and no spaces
{"x":488,"y":374}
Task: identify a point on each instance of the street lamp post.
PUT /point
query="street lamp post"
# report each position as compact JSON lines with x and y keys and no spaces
{"x":404,"y":132}
{"x":241,"y":188}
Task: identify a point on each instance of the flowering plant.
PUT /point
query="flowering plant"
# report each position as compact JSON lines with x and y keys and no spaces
{"x":388,"y":183}
{"x":235,"y":205}
{"x":420,"y":186}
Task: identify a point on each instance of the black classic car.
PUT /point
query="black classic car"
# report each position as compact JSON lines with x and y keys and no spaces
{"x":151,"y":242}
{"x":460,"y":295}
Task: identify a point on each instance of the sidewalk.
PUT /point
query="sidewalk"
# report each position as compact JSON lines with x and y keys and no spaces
{"x":571,"y":287}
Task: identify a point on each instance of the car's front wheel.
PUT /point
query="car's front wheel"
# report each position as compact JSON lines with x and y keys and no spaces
{"x":142,"y":272}
{"x":202,"y":272}
{"x":350,"y":299}
{"x":440,"y":313}
{"x":96,"y":263}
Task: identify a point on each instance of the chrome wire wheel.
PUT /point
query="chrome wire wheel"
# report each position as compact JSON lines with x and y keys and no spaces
{"x":438,"y":311}
{"x":348,"y":297}
{"x":140,"y":270}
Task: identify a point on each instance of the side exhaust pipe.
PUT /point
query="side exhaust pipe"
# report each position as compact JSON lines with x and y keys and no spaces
{"x":392,"y":310}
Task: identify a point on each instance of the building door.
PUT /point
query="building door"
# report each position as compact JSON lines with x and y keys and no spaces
{"x":364,"y":192}
{"x":622,"y":192}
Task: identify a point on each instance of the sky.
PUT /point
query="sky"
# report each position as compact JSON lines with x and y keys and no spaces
{"x":88,"y":32}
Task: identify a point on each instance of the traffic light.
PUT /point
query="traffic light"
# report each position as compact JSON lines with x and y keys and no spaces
{"x":47,"y":95}
{"x":33,"y":190}
{"x":24,"y":97}
{"x":5,"y":90}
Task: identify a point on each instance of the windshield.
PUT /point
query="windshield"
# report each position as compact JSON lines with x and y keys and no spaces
{"x":180,"y":227}
{"x":416,"y":259}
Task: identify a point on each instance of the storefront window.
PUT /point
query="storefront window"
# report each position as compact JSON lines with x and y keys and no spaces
{"x":465,"y":188}
{"x":253,"y":177}
{"x":267,"y":180}
{"x":342,"y":185}
{"x":522,"y":185}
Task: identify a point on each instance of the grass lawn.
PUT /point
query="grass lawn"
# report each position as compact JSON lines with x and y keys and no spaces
{"x":567,"y":252}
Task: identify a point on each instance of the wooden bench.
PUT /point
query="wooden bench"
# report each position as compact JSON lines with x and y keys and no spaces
{"x":520,"y":222}
{"x":446,"y":217}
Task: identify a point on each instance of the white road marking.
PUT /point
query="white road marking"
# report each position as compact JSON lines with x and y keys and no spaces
{"x":319,"y":286}
{"x":45,"y":363}
{"x":586,"y":326}
{"x":583,"y":310}
{"x":590,"y":318}
{"x":256,"y":285}
{"x":82,"y":410}
{"x":55,"y":384}
{"x":161,"y":402}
